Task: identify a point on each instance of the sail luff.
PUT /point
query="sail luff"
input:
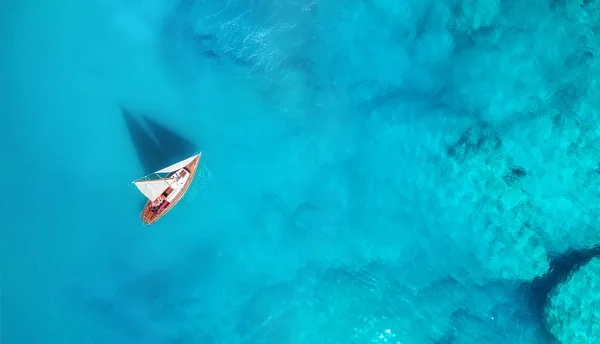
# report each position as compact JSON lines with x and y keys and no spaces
{"x":178,"y":165}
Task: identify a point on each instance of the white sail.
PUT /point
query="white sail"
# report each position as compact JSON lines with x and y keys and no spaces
{"x":154,"y":188}
{"x":178,"y":165}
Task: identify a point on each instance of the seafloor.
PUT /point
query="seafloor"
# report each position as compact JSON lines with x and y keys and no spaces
{"x":374,"y":171}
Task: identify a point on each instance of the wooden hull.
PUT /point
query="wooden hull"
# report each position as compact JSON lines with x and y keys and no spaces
{"x":149,"y":217}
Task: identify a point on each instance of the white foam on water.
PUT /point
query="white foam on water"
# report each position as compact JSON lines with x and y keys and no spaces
{"x":199,"y":185}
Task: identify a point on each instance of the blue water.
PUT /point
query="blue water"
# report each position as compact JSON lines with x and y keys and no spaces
{"x":373,"y":171}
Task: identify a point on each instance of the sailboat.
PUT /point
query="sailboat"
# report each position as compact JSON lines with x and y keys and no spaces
{"x":166,"y":187}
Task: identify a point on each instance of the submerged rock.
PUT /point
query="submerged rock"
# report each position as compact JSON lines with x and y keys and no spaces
{"x":573,"y":310}
{"x":539,"y":291}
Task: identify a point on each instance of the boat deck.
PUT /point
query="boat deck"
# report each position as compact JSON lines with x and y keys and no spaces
{"x":149,"y":217}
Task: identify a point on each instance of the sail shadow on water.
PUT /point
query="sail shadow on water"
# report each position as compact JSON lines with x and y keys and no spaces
{"x":173,"y":145}
{"x":156,"y":145}
{"x":148,"y":151}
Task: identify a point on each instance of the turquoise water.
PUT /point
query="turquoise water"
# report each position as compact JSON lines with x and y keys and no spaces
{"x":373,"y":171}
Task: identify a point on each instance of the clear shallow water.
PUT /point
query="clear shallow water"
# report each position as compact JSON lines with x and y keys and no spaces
{"x":340,"y":200}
